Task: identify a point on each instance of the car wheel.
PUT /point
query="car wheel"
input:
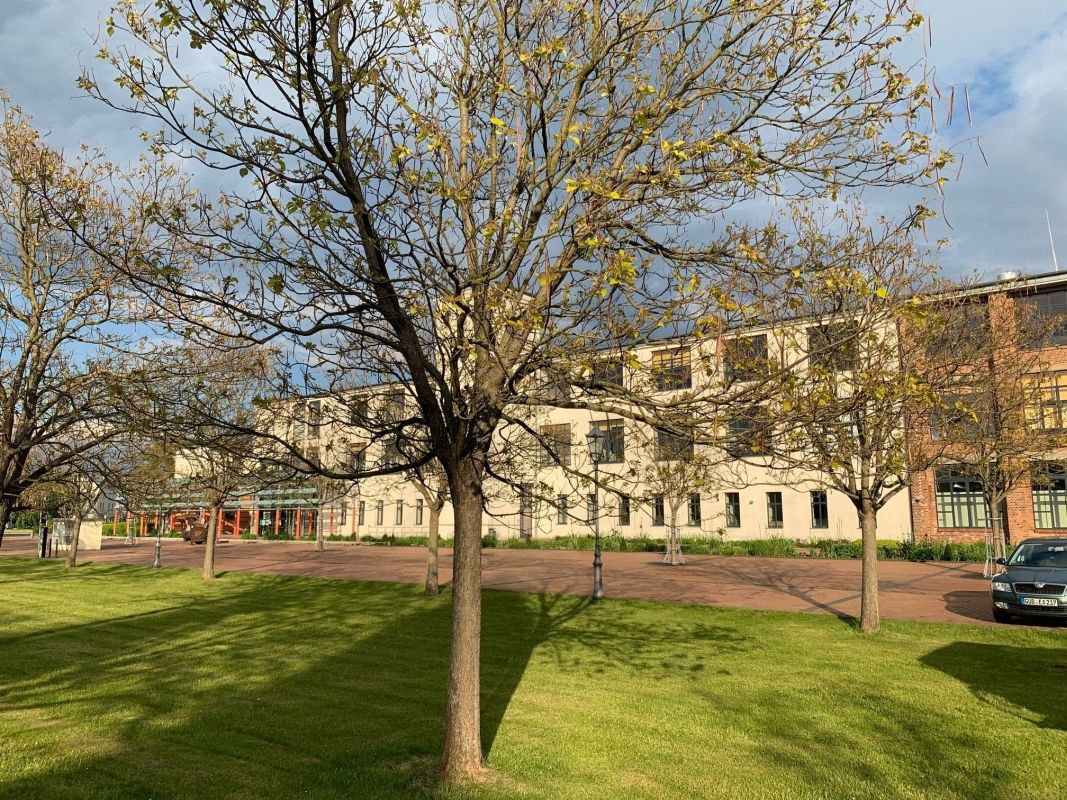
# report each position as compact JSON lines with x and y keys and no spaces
{"x":1001,"y":616}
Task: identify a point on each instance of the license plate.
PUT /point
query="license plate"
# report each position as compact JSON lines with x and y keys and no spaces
{"x":1040,"y":601}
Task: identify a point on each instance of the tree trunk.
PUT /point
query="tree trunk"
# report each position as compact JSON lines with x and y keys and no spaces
{"x":870,"y":618}
{"x":209,"y":545}
{"x":72,"y":554}
{"x":672,"y":539}
{"x":7,"y":505}
{"x":996,"y":510}
{"x":432,"y":586}
{"x":462,"y":758}
{"x":320,"y":536}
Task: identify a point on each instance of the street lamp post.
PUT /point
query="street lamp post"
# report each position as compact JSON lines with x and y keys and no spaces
{"x":158,"y":562}
{"x":595,"y":440}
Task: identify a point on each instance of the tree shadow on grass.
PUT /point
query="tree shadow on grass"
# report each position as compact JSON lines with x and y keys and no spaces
{"x":872,"y":738}
{"x":273,"y":686}
{"x":255,"y":686}
{"x":1033,"y":680}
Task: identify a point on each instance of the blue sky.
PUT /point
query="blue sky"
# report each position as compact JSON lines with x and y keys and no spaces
{"x":1012,"y":56}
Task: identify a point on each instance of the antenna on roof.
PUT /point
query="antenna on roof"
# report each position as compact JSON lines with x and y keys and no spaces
{"x":1051,"y":243}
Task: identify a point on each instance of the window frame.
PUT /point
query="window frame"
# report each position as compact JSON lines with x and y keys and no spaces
{"x":659,"y":516}
{"x":552,"y":442}
{"x":672,"y":369}
{"x":962,"y":508}
{"x":732,"y":503}
{"x":838,"y":350}
{"x":745,"y":358}
{"x":614,"y":447}
{"x":820,"y":502}
{"x":775,"y":511}
{"x":694,"y":506}
{"x":1049,"y":496}
{"x":1048,"y":308}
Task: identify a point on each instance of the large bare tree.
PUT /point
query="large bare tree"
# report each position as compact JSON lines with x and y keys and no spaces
{"x":66,"y":312}
{"x":470,"y":197}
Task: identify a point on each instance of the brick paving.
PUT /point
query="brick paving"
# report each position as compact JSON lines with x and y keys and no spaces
{"x":932,"y":592}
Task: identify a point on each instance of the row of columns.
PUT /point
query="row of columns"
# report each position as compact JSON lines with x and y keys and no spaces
{"x":303,"y":518}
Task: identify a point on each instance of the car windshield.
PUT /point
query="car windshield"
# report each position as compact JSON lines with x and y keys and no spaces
{"x":1040,"y":555}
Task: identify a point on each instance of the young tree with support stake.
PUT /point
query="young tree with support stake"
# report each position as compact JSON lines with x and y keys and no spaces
{"x":471,"y":195}
{"x":675,"y":469}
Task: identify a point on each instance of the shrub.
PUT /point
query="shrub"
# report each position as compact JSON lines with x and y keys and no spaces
{"x":776,"y":546}
{"x":24,"y":519}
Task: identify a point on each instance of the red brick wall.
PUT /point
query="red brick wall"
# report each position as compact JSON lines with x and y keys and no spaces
{"x":1020,"y":509}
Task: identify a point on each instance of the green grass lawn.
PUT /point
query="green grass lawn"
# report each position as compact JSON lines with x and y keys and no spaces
{"x":122,"y":681}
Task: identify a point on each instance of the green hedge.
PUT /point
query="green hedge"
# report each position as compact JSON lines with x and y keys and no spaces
{"x":775,"y":547}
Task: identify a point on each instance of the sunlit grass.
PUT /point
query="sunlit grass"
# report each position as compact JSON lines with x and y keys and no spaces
{"x":121,"y":681}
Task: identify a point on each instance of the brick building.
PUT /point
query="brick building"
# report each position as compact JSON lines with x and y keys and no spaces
{"x":947,"y":503}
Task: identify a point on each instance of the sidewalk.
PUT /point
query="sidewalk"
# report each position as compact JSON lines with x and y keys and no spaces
{"x":933,"y":592}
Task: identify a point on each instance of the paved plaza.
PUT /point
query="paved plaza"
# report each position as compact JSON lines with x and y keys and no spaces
{"x":933,"y":592}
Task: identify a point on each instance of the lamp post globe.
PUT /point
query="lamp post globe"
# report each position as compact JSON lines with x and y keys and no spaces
{"x":595,"y":439}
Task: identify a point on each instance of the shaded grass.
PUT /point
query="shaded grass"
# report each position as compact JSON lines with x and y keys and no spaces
{"x":120,"y":681}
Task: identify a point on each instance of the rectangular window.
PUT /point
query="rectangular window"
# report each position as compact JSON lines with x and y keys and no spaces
{"x":393,"y":406}
{"x":1049,"y":412}
{"x":733,"y":510}
{"x":624,"y":509}
{"x":615,"y":441}
{"x":607,"y":372}
{"x":1042,"y":318}
{"x":380,"y":513}
{"x":555,"y":445}
{"x":961,"y":417}
{"x":694,"y":509}
{"x":418,"y":511}
{"x":561,"y":509}
{"x":775,"y":515}
{"x":834,"y":346}
{"x":361,"y":514}
{"x":671,"y":447}
{"x":357,"y":412}
{"x":657,"y":510}
{"x":344,"y":515}
{"x":959,"y":501}
{"x":745,"y":358}
{"x":820,"y":510}
{"x":671,"y":369}
{"x":314,"y":418}
{"x":359,"y":456}
{"x":748,"y":434}
{"x":966,"y":324}
{"x":391,"y":456}
{"x":399,"y":512}
{"x":1049,"y":490}
{"x":590,"y":505}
